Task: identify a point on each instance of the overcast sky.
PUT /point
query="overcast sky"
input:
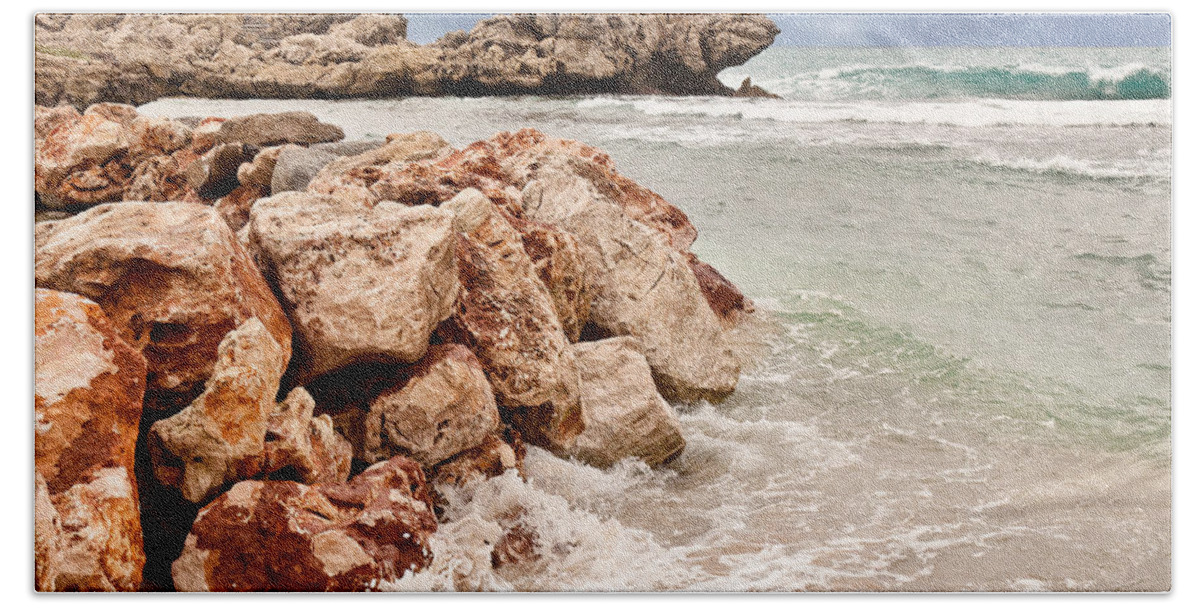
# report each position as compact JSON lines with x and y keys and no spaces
{"x":914,"y":29}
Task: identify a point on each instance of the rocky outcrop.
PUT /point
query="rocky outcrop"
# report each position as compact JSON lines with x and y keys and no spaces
{"x":170,"y":276}
{"x":358,"y":282}
{"x":82,"y":59}
{"x":623,"y":414}
{"x":286,"y":536}
{"x":444,"y":406}
{"x":219,"y":437}
{"x":88,"y":387}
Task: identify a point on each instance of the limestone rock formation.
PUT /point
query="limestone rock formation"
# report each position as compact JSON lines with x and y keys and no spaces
{"x":170,"y":276}
{"x":286,"y":536}
{"x":219,"y":437}
{"x":87,"y":58}
{"x":88,"y":387}
{"x":444,"y":406}
{"x":623,"y":414}
{"x":358,"y":282}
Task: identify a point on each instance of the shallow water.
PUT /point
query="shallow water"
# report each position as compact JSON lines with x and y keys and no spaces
{"x":963,"y":258}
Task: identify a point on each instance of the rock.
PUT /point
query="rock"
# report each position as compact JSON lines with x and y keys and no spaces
{"x":747,"y":89}
{"x":646,"y":288}
{"x":623,"y":415}
{"x":358,"y":282}
{"x":172,"y":279}
{"x":508,"y":319}
{"x":156,"y":137}
{"x":215,"y":174}
{"x":296,"y":166}
{"x":79,"y":162}
{"x":724,"y":298}
{"x":348,"y":148}
{"x":444,"y":406}
{"x":83,"y":59}
{"x":121,"y":113}
{"x":498,"y":453}
{"x":88,"y":387}
{"x":219,"y":437}
{"x":234,"y":207}
{"x":46,"y":119}
{"x":562,"y":269}
{"x":286,"y":536}
{"x":261,"y":170}
{"x":352,"y":176}
{"x":261,"y":130}
{"x":303,"y":445}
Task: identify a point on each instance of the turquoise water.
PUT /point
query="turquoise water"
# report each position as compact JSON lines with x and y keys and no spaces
{"x":963,"y":257}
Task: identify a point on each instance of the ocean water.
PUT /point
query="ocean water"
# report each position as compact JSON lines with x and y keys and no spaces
{"x":961,"y":376}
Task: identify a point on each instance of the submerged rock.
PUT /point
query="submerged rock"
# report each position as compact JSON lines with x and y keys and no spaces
{"x":88,"y":388}
{"x":170,"y":276}
{"x":286,"y":536}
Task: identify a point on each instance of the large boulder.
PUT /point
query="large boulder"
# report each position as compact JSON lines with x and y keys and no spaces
{"x":444,"y":406}
{"x":506,"y":315}
{"x":286,"y":536}
{"x":623,"y":414}
{"x":88,"y":388}
{"x":359,"y":282}
{"x":219,"y":438}
{"x":353,"y":177}
{"x":497,"y":453}
{"x":642,"y":287}
{"x":296,"y":166}
{"x":170,"y":276}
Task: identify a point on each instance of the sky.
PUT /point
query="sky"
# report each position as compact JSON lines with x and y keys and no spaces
{"x":913,"y":29}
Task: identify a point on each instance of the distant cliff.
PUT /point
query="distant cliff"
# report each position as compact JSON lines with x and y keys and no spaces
{"x":87,"y":58}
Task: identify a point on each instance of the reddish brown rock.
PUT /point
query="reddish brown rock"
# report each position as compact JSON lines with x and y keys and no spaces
{"x":46,"y":119}
{"x":507,"y":317}
{"x":286,"y":536}
{"x":80,"y":162}
{"x":623,"y":414}
{"x":88,"y":387}
{"x":307,"y":447}
{"x":215,"y":173}
{"x":352,"y":176}
{"x":156,"y":137}
{"x":219,"y":437}
{"x":359,"y":282}
{"x":562,"y":269}
{"x":235,"y":206}
{"x":121,"y":113}
{"x":724,"y":298}
{"x":444,"y":406}
{"x":170,"y":276}
{"x":498,"y":453}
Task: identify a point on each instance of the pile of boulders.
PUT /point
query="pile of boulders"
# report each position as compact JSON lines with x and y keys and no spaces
{"x":258,"y":351}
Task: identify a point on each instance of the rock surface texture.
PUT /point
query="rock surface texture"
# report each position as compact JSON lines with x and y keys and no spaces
{"x":623,"y":415}
{"x":444,"y":406}
{"x":286,"y":536}
{"x":359,"y":282}
{"x":88,"y":387}
{"x":87,"y":58}
{"x":170,"y":276}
